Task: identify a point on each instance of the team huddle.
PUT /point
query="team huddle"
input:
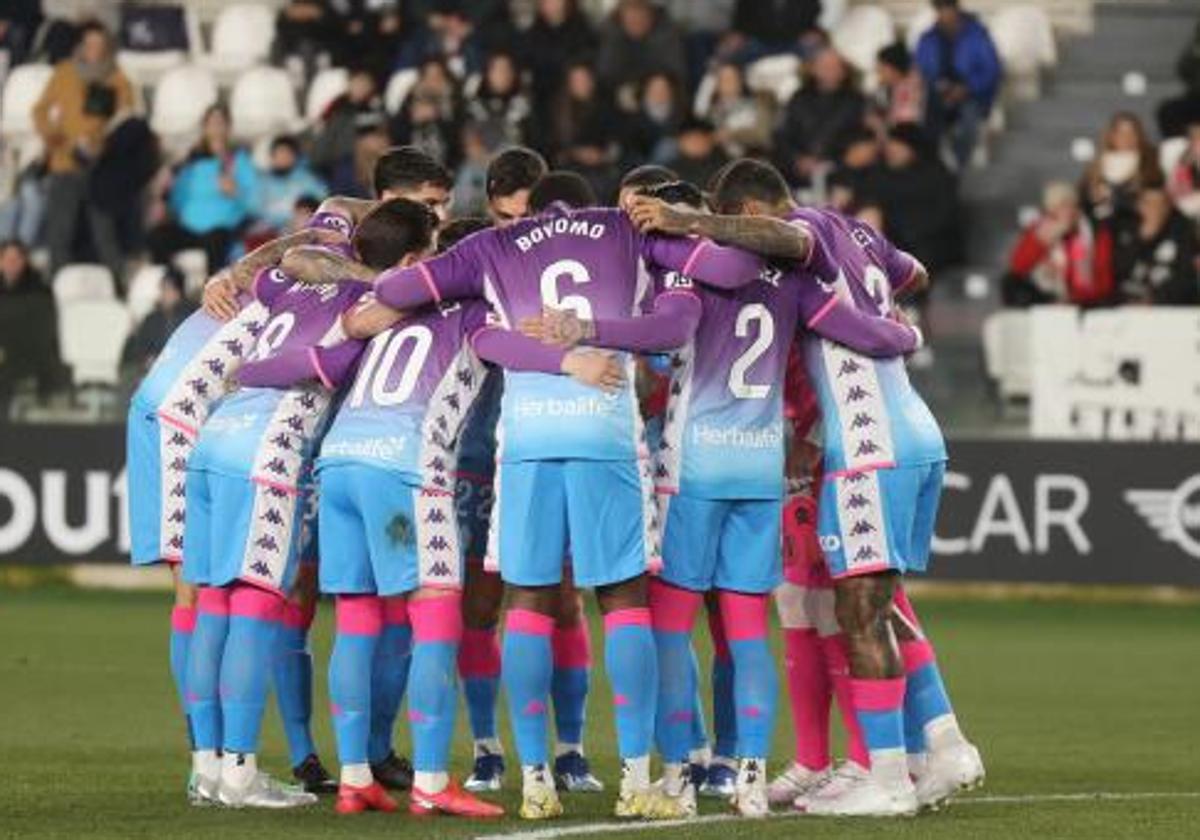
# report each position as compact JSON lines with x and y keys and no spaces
{"x":694,"y":400}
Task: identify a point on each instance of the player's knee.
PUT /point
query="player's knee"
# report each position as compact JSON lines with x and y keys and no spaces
{"x":185,"y":594}
{"x":481,"y":600}
{"x":626,"y":595}
{"x":570,"y":607}
{"x":539,"y":599}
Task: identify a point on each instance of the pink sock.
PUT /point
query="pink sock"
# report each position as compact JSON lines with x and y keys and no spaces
{"x":810,"y":692}
{"x":299,"y":616}
{"x":834,"y":649}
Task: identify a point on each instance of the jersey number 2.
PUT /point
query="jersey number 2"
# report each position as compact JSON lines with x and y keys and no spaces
{"x":381,"y":358}
{"x":751,"y":313}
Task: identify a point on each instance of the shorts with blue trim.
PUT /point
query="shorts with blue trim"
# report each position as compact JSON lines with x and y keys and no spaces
{"x":603,"y":512}
{"x":730,"y":544}
{"x":156,"y":462}
{"x":381,"y":533}
{"x":880,"y":520}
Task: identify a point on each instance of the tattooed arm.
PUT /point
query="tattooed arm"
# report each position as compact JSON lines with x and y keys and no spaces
{"x":243,"y":272}
{"x":314,"y":265}
{"x":352,"y":208}
{"x":758,"y":234}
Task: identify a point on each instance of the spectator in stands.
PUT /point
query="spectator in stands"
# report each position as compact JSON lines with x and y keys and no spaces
{"x":1158,"y":264}
{"x":1185,"y":178}
{"x":348,"y":125}
{"x":370,"y":32}
{"x":742,"y":118}
{"x":430,"y":117}
{"x":19,"y":22}
{"x":649,"y":134}
{"x":582,"y":106}
{"x":469,"y":194}
{"x":22,"y":212}
{"x":286,"y":179}
{"x":1126,"y":162}
{"x":768,"y":27}
{"x":962,"y":73}
{"x":211,"y":197}
{"x":71,"y":116}
{"x":1063,"y":257}
{"x":900,"y":96}
{"x":28,"y":325}
{"x":306,"y":37}
{"x":703,"y":26}
{"x":146,"y":341}
{"x":827,"y":107}
{"x":698,"y":157}
{"x":856,"y":180}
{"x":638,"y":41}
{"x":451,"y":36}
{"x":560,"y":34}
{"x":592,"y":157}
{"x":1175,"y":114}
{"x":17,"y":274}
{"x":919,"y":199}
{"x":501,"y":107}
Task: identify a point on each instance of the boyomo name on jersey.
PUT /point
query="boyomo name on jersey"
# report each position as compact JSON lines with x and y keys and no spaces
{"x":561,"y":226}
{"x":415,"y":386}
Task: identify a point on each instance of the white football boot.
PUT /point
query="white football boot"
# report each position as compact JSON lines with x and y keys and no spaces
{"x":750,"y":796}
{"x":952,"y":764}
{"x":885,"y":791}
{"x":846,"y":775}
{"x":794,"y":782}
{"x":244,"y":786}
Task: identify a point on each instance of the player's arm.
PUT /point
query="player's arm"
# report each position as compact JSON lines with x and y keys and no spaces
{"x":452,"y":275}
{"x":369,"y":318}
{"x":871,"y":335}
{"x":351,"y":209}
{"x":331,"y":366}
{"x":762,"y":235}
{"x":668,"y":326}
{"x":513,"y":351}
{"x":243,"y":273}
{"x":316,"y":265}
{"x":905,"y":272}
{"x":703,"y":260}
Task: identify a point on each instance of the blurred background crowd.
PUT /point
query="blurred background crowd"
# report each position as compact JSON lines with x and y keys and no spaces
{"x":146,"y":144}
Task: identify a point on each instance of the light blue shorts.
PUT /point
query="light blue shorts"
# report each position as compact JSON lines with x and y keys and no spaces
{"x":602,"y":511}
{"x":731,"y":544}
{"x":156,"y":464}
{"x":239,"y":529}
{"x":880,"y":520}
{"x":381,"y":534}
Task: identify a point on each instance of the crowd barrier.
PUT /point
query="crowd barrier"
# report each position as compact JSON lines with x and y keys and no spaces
{"x":1012,"y":511}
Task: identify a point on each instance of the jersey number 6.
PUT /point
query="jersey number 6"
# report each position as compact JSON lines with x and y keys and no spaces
{"x":577,"y":273}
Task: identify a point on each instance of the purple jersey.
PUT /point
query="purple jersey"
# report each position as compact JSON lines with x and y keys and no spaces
{"x":267,"y":433}
{"x":414,"y":388}
{"x":872,"y":417}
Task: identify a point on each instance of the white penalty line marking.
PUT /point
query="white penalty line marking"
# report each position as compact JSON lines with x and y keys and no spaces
{"x":1027,"y":799}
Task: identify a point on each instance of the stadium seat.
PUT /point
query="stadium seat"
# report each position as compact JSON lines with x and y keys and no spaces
{"x":862,"y":33}
{"x":1007,"y":353}
{"x":144,"y":289}
{"x":398,"y":88}
{"x":326,"y":86}
{"x":832,"y":12}
{"x":1025,"y":41}
{"x":180,"y":99}
{"x":778,"y":75}
{"x":193,"y":262}
{"x":22,"y":89}
{"x":241,"y":38}
{"x":917,"y":25}
{"x":83,"y":281}
{"x":91,"y":335}
{"x":263,"y":102}
{"x":1170,"y":151}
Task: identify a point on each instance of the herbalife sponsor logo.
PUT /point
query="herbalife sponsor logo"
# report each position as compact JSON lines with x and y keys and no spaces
{"x":588,"y":406}
{"x":767,"y":437}
{"x":378,"y":448}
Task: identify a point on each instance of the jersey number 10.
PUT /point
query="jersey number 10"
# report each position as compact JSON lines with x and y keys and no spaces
{"x":381,"y":358}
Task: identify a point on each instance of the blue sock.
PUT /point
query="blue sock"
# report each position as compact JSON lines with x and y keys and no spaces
{"x":204,"y":668}
{"x":359,"y":624}
{"x":437,"y":627}
{"x":526,"y":671}
{"x":925,"y":699}
{"x":569,"y":685}
{"x":292,"y":672}
{"x":879,"y":705}
{"x":389,"y":677}
{"x":699,"y":726}
{"x":755,"y":690}
{"x":183,"y":624}
{"x":479,"y":667}
{"x":674,"y":725}
{"x":246,"y":665}
{"x":724,"y":714}
{"x":632,"y":665}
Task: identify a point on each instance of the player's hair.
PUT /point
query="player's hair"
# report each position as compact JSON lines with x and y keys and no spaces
{"x":392,"y":230}
{"x":456,"y":230}
{"x":514,"y":170}
{"x":748,"y":180}
{"x":678,"y":192}
{"x":648,"y":175}
{"x":407,"y":168}
{"x":568,"y":187}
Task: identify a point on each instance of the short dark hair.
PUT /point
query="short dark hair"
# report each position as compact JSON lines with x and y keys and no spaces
{"x":648,"y":175}
{"x":393,"y":229}
{"x":288,"y":141}
{"x":570,"y":188}
{"x":407,"y":167}
{"x":896,"y":55}
{"x":748,"y":180}
{"x":678,"y":192}
{"x":308,"y":202}
{"x":514,"y":170}
{"x":456,"y":230}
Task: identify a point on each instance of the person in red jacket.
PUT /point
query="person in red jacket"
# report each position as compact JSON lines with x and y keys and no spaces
{"x":1062,"y":257}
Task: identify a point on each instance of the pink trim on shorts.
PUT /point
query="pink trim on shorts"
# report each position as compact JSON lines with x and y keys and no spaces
{"x":672,"y":608}
{"x":858,"y":571}
{"x":213,"y":600}
{"x":172,"y":559}
{"x":187,"y":429}
{"x":917,"y":654}
{"x":427,"y":276}
{"x":878,"y":465}
{"x":744,"y":615}
{"x":395,"y":611}
{"x":690,"y":263}
{"x":316,"y":363}
{"x":479,"y":654}
{"x":276,"y":485}
{"x":298,"y":616}
{"x":249,"y":601}
{"x":822,"y":312}
{"x":631,"y":617}
{"x":437,"y":619}
{"x":572,"y":646}
{"x":528,"y":622}
{"x":183,"y":619}
{"x":666,"y":490}
{"x":877,"y":695}
{"x":359,"y":615}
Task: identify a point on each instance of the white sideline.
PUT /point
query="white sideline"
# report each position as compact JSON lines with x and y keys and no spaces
{"x":1022,"y":799}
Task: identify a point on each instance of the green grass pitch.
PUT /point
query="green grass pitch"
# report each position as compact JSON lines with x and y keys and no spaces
{"x":1062,"y":699}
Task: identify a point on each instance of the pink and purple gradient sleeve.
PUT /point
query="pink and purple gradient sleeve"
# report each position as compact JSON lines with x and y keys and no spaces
{"x":458,"y":273}
{"x":703,"y":260}
{"x":270,"y":284}
{"x":872,"y":335}
{"x":669,"y":326}
{"x":514,"y":351}
{"x":331,"y":365}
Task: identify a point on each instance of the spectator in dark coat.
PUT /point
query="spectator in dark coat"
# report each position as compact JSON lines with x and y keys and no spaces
{"x":649,"y":134}
{"x":19,"y":22}
{"x":1175,"y":114}
{"x":698,"y":157}
{"x":962,"y":72}
{"x":147,"y":341}
{"x":1127,"y":160}
{"x":639,"y":40}
{"x":827,"y":107}
{"x":306,"y":35}
{"x":345,"y":127}
{"x":370,"y":33}
{"x":855,"y":181}
{"x":767,"y":27}
{"x":28,"y":325}
{"x":560,"y":35}
{"x":919,"y":199}
{"x":501,"y":107}
{"x":117,"y":181}
{"x":1157,"y":264}
{"x":581,"y":107}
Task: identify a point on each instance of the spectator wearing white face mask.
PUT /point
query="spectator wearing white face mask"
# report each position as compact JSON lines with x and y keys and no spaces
{"x":1126,"y":161}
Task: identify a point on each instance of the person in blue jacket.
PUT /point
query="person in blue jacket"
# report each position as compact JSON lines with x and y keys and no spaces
{"x":962,"y":72}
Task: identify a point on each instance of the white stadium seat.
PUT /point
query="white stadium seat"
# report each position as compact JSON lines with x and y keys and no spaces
{"x":917,"y":25}
{"x":182,"y":96}
{"x":91,"y":335}
{"x":832,"y":12}
{"x":146,"y":68}
{"x":778,"y":75}
{"x":326,"y":86}
{"x":398,"y":87}
{"x":144,"y":290}
{"x":263,"y":102}
{"x":1170,"y":152}
{"x":862,"y":33}
{"x":83,"y":281}
{"x":1007,"y":352}
{"x":1025,"y":41}
{"x":241,"y":38}
{"x":22,"y":89}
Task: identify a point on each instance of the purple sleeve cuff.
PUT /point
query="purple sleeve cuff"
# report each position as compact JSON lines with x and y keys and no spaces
{"x":407,"y":288}
{"x":334,"y":365}
{"x":283,"y":370}
{"x":705,"y":261}
{"x":670,"y":326}
{"x":514,"y":351}
{"x":872,"y":335}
